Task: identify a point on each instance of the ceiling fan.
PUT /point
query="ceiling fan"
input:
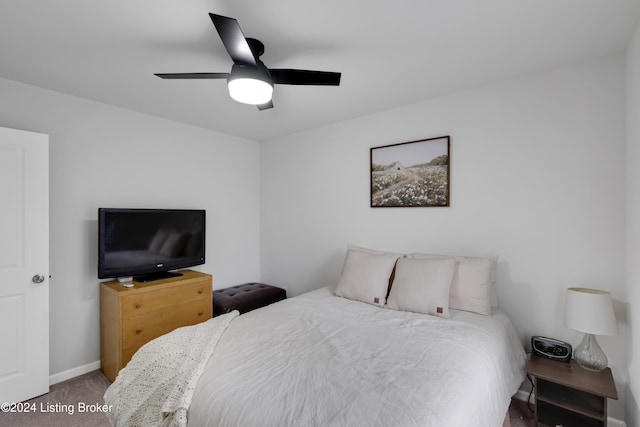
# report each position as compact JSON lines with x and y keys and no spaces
{"x":250,"y":81}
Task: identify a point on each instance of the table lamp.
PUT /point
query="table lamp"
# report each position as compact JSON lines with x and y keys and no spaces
{"x":590,"y":311}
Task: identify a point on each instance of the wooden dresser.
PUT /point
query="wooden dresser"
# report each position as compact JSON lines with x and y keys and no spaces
{"x":131,"y":317}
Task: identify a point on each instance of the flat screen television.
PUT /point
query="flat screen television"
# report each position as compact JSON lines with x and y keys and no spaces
{"x":148,"y":243}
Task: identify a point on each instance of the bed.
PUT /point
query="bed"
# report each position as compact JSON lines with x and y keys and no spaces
{"x":333,"y":357}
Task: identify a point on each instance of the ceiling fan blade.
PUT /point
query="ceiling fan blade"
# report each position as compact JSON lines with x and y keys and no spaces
{"x":193,"y":75}
{"x":233,"y":40}
{"x":265,"y":106}
{"x":305,"y":77}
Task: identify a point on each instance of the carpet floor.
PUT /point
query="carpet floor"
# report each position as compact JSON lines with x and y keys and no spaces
{"x":78,"y":402}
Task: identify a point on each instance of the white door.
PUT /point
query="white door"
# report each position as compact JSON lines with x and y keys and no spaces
{"x":24,"y":261}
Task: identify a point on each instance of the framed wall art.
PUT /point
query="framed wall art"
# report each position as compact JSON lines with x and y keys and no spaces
{"x":411,"y":174}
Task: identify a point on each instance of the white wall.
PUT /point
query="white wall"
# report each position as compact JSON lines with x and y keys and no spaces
{"x":536,"y":177}
{"x":633,"y":227}
{"x":103,"y":156}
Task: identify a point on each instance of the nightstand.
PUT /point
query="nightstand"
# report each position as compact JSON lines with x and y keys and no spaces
{"x":568,"y":395}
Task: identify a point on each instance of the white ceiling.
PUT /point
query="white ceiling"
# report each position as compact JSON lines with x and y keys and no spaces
{"x":390,"y":53}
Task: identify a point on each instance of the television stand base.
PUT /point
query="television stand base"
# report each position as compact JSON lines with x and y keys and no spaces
{"x":157,"y":276}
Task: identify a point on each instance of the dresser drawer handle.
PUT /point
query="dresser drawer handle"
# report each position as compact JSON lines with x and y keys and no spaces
{"x":200,"y":291}
{"x":200,"y":312}
{"x":138,"y":304}
{"x":138,"y":330}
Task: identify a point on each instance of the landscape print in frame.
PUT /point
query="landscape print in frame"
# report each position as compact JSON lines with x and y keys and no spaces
{"x":411,"y":174}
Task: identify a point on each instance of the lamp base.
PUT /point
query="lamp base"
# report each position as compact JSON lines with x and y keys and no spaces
{"x":589,"y":355}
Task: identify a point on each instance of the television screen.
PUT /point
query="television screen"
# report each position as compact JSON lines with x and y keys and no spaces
{"x":148,"y":243}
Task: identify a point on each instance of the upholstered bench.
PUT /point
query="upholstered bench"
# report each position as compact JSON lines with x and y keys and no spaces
{"x":245,"y":297}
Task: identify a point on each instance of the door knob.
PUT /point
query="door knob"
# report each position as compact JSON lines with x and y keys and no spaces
{"x":38,"y":278}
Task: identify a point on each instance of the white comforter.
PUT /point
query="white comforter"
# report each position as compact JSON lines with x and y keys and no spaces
{"x":156,"y":386}
{"x":321,"y":360}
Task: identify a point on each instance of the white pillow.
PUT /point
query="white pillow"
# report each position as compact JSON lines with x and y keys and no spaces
{"x":472,"y":284}
{"x":421,"y":285}
{"x":365,"y":275}
{"x":372,"y":251}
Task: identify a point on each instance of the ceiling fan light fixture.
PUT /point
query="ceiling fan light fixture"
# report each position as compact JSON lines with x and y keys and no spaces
{"x":249,"y":85}
{"x":250,"y":91}
{"x":250,"y":81}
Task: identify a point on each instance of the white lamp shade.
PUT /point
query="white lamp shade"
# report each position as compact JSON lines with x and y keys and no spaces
{"x":250,"y":91}
{"x":590,"y":311}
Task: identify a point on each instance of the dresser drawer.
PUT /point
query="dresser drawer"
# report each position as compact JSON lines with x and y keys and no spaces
{"x":140,"y":329}
{"x":146,"y":302}
{"x":131,"y":317}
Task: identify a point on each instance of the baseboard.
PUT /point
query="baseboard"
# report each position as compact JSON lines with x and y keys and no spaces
{"x":521,"y":395}
{"x":611,"y":422}
{"x":72,"y":373}
{"x":614,"y":422}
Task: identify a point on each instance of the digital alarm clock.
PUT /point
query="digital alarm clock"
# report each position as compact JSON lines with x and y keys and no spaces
{"x":551,"y":348}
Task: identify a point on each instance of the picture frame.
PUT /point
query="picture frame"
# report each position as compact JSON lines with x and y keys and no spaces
{"x":411,"y":174}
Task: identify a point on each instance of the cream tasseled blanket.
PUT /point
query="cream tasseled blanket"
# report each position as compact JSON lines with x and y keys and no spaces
{"x":156,"y":387}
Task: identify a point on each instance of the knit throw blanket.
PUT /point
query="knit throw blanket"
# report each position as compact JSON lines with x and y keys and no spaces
{"x":156,"y":386}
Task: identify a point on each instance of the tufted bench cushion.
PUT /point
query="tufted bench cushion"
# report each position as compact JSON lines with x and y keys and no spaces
{"x":245,"y":297}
